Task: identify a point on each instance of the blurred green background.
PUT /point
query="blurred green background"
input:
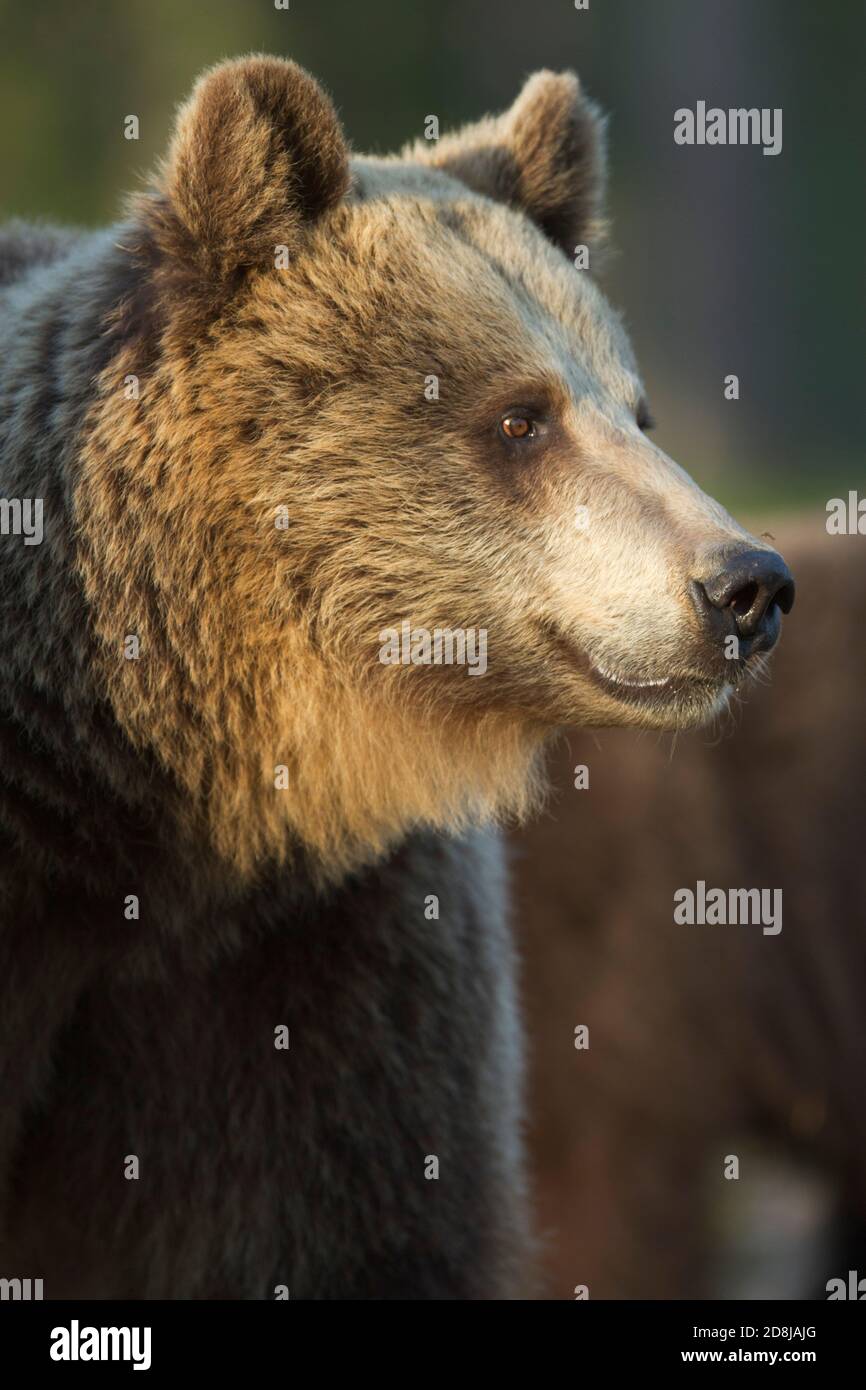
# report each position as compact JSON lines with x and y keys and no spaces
{"x":726,"y":260}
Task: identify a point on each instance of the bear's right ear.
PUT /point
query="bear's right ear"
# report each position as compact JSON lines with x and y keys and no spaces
{"x":257,"y":155}
{"x":544,"y":156}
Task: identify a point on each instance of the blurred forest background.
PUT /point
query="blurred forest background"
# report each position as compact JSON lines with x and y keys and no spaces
{"x":726,"y":260}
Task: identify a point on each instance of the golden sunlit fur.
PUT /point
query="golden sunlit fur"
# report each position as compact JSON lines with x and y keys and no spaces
{"x":300,"y":386}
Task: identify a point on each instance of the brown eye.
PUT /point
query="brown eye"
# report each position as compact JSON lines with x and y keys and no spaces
{"x":517,"y":427}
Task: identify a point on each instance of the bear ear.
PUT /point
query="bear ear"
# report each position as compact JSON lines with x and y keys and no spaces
{"x":257,"y":154}
{"x":545,"y":156}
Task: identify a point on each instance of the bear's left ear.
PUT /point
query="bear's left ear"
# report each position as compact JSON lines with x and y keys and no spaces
{"x":545,"y":156}
{"x":257,"y":155}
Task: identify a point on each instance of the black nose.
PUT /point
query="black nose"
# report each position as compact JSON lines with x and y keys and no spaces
{"x":744,"y":595}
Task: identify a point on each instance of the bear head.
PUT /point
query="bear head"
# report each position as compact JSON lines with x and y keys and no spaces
{"x":388,"y":508}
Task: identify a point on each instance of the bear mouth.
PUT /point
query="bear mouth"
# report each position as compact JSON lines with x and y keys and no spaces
{"x":655,"y":691}
{"x":677,"y":699}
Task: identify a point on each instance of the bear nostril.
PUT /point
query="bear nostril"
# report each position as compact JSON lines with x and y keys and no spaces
{"x":784,"y":597}
{"x":743,"y":599}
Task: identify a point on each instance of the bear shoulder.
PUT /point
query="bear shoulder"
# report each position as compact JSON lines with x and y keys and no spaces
{"x":25,"y":246}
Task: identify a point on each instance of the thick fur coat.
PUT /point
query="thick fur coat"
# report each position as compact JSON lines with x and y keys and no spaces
{"x":220,"y":813}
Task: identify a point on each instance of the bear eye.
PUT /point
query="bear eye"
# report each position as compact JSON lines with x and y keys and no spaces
{"x":516,"y":425}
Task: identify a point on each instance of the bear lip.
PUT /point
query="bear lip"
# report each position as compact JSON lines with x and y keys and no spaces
{"x":658,"y":692}
{"x":629,"y":682}
{"x":654,"y":690}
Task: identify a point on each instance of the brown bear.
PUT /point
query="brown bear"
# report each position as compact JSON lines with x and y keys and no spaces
{"x":344,"y":504}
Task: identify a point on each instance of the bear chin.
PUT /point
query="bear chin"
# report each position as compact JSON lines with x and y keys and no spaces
{"x":682,"y":703}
